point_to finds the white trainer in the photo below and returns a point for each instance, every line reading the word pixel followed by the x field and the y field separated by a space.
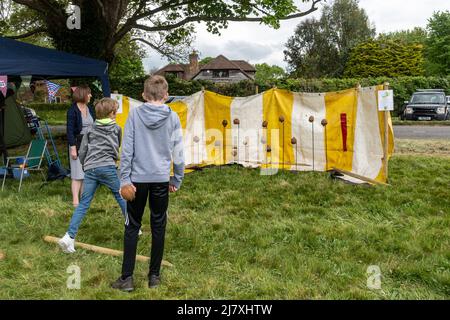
pixel 67 244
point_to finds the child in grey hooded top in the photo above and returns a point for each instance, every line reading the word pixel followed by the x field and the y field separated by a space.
pixel 152 142
pixel 153 138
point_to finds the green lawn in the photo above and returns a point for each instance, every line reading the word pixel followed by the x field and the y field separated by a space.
pixel 234 234
pixel 54 117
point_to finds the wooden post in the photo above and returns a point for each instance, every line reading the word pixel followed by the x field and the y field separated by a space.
pixel 2 255
pixel 111 252
pixel 386 138
pixel 256 89
pixel 360 177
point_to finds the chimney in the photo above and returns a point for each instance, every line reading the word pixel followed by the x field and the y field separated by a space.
pixel 193 64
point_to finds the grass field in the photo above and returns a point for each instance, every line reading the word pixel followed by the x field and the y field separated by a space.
pixel 233 234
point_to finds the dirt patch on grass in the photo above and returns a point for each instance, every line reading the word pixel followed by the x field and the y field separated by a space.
pixel 423 147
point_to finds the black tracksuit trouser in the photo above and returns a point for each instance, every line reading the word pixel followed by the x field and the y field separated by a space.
pixel 157 195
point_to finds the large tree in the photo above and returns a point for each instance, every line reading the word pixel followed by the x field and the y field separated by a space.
pixel 161 24
pixel 438 44
pixel 267 75
pixel 320 47
pixel 413 36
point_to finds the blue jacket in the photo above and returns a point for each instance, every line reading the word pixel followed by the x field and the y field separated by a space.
pixel 75 122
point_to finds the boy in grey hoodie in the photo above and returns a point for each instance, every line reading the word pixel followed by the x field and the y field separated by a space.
pixel 98 154
pixel 152 142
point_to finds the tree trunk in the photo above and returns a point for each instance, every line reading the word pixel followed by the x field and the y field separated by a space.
pixel 99 23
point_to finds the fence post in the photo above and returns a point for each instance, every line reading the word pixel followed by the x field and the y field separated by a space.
pixel 386 137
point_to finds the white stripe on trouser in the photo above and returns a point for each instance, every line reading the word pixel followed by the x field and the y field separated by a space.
pixel 127 220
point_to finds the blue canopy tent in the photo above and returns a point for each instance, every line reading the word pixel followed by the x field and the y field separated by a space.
pixel 23 59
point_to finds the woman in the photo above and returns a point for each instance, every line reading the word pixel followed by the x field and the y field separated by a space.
pixel 80 118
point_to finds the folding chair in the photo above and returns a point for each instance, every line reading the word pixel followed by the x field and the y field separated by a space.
pixel 32 161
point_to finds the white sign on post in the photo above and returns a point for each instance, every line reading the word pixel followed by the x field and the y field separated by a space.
pixel 119 99
pixel 386 100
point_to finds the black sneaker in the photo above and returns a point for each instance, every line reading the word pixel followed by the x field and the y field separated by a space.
pixel 154 281
pixel 123 284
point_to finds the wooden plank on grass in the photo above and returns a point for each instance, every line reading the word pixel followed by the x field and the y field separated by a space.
pixel 103 250
pixel 360 177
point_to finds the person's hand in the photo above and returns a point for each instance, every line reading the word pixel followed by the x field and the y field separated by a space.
pixel 172 188
pixel 73 153
pixel 129 196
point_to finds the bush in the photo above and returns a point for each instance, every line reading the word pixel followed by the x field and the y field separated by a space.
pixel 48 106
pixel 403 87
pixel 133 87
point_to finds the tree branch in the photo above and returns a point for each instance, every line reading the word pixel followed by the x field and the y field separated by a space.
pixel 167 27
pixel 155 47
pixel 42 6
pixel 131 22
pixel 28 34
pixel 36 5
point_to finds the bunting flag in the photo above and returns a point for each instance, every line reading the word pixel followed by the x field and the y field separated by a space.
pixel 280 129
pixel 52 90
pixel 4 85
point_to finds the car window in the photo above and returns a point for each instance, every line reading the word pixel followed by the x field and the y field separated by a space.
pixel 428 98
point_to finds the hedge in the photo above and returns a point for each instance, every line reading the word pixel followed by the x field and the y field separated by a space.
pixel 49 106
pixel 403 87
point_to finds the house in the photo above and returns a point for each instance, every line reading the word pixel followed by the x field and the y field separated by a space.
pixel 219 70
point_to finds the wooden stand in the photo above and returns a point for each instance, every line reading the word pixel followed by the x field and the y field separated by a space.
pixel 386 138
pixel 108 251
pixel 360 177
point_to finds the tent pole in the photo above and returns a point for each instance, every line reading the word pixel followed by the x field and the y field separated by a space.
pixel 3 150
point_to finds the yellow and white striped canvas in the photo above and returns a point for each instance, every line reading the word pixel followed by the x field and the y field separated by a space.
pixel 279 129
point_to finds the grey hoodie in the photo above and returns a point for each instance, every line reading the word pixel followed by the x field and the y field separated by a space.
pixel 100 145
pixel 152 139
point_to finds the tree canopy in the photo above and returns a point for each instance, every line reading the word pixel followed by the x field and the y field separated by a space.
pixel 320 48
pixel 413 36
pixel 385 58
pixel 167 26
pixel 438 44
pixel 267 75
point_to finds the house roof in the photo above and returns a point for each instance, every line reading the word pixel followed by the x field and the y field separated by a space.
pixel 244 65
pixel 222 63
pixel 172 68
pixel 218 63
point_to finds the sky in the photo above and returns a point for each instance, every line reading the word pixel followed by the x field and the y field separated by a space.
pixel 258 43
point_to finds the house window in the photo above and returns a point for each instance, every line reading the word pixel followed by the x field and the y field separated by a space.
pixel 221 74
